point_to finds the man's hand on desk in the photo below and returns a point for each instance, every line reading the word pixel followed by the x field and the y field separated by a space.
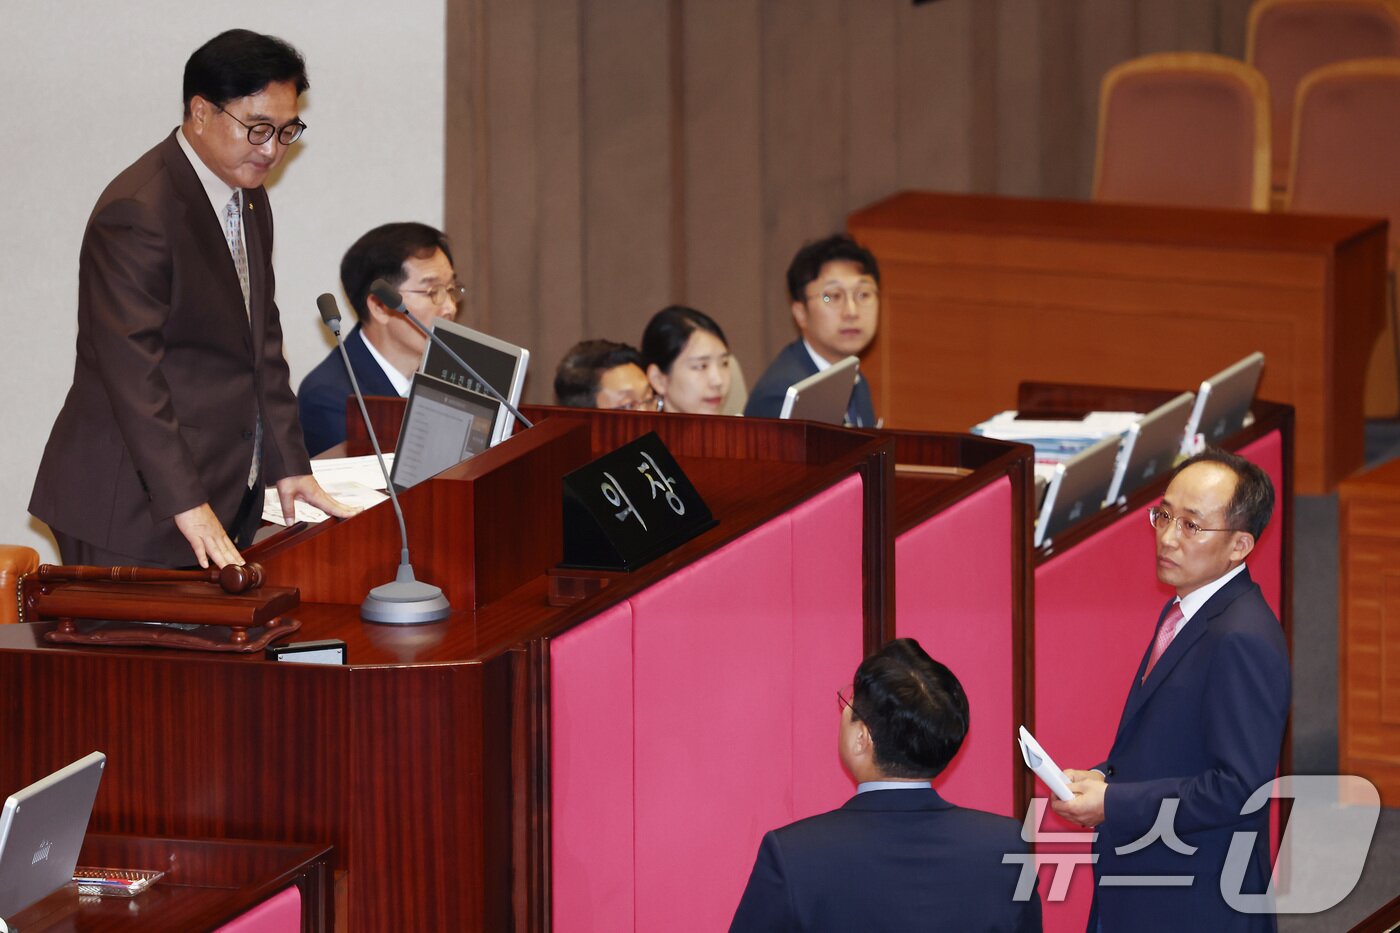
pixel 207 537
pixel 1086 807
pixel 305 488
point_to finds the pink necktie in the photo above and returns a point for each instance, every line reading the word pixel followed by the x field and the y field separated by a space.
pixel 1165 634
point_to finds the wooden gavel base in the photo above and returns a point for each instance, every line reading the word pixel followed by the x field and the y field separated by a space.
pixel 159 634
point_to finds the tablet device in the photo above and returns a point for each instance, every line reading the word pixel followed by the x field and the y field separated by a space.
pixel 1223 402
pixel 443 425
pixel 1151 446
pixel 500 363
pixel 823 396
pixel 1078 488
pixel 41 831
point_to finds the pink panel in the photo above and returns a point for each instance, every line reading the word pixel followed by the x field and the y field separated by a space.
pixel 591 776
pixel 1266 563
pixel 280 913
pixel 953 593
pixel 826 599
pixel 713 739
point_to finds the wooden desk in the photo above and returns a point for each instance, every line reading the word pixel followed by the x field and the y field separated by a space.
pixel 1369 714
pixel 980 293
pixel 207 883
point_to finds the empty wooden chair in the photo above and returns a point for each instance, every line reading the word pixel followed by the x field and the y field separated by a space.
pixel 1290 38
pixel 1189 129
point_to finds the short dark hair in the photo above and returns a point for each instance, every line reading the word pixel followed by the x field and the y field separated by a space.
pixel 240 62
pixel 577 376
pixel 808 263
pixel 381 253
pixel 1252 503
pixel 914 707
pixel 669 330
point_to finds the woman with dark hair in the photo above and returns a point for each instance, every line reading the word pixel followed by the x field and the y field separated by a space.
pixel 687 360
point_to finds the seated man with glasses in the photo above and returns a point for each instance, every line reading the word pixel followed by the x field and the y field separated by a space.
pixel 181 410
pixel 834 285
pixel 384 349
pixel 897 856
pixel 1202 726
pixel 603 374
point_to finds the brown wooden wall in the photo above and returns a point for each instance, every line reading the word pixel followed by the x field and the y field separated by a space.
pixel 608 157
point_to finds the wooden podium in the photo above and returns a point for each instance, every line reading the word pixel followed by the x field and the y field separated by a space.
pixel 980 293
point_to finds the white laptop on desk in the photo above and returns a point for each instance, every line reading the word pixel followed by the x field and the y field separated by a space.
pixel 499 362
pixel 823 396
pixel 1151 446
pixel 41 831
pixel 1077 488
pixel 1222 404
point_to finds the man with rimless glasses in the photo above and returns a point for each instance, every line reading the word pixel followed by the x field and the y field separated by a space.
pixel 384 349
pixel 1203 723
pixel 181 409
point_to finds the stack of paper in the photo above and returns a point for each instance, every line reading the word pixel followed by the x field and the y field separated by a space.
pixel 352 480
pixel 1057 439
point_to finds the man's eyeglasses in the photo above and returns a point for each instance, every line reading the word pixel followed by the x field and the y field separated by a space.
pixel 260 133
pixel 863 296
pixel 439 293
pixel 1160 519
pixel 647 402
pixel 843 700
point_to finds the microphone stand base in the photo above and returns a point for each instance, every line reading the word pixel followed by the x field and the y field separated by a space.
pixel 405 602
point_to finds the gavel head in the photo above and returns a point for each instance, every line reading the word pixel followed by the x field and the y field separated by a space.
pixel 240 578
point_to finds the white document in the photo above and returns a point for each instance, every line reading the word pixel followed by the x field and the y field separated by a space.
pixel 1043 766
pixel 363 470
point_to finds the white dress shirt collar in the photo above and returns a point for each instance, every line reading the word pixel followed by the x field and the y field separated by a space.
pixel 1194 600
pixel 401 382
pixel 217 190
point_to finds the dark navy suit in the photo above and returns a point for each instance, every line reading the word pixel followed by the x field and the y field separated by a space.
pixel 792 365
pixel 321 397
pixel 1205 728
pixel 897 860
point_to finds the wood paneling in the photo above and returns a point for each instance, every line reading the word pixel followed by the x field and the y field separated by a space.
pixel 609 157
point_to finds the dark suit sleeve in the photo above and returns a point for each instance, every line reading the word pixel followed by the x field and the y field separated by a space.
pixel 321 405
pixel 767 902
pixel 126 285
pixel 1247 690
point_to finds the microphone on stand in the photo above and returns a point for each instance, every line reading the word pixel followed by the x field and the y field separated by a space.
pixel 390 297
pixel 405 601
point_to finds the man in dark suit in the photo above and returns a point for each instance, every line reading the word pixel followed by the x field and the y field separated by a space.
pixel 384 349
pixel 835 289
pixel 180 409
pixel 1203 723
pixel 897 856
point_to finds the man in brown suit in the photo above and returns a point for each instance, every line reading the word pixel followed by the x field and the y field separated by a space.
pixel 181 410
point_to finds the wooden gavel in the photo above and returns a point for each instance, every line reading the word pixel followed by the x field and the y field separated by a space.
pixel 232 578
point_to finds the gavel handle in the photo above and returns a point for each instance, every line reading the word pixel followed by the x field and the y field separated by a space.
pixel 232 578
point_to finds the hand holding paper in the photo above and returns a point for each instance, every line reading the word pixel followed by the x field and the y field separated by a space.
pixel 1043 766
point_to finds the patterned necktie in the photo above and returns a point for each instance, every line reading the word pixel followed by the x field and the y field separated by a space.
pixel 233 232
pixel 1165 634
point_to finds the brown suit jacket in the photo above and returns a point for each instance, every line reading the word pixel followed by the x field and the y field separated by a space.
pixel 170 373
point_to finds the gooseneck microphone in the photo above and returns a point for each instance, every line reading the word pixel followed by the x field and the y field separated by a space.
pixel 390 297
pixel 405 601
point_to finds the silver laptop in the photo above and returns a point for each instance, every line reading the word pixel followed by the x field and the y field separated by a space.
pixel 1077 489
pixel 823 396
pixel 443 425
pixel 41 831
pixel 499 362
pixel 1151 446
pixel 1223 402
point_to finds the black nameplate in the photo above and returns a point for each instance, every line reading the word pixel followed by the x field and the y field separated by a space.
pixel 629 507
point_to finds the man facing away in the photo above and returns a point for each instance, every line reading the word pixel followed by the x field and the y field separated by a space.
pixel 834 285
pixel 384 349
pixel 181 409
pixel 897 856
pixel 1203 723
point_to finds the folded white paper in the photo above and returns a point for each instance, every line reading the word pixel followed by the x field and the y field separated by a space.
pixel 1043 766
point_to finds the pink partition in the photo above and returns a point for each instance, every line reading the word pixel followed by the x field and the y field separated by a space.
pixel 280 913
pixel 1096 607
pixel 953 592
pixel 730 669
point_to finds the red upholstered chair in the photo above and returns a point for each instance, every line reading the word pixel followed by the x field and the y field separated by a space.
pixel 1290 38
pixel 15 561
pixel 1184 128
pixel 1346 160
